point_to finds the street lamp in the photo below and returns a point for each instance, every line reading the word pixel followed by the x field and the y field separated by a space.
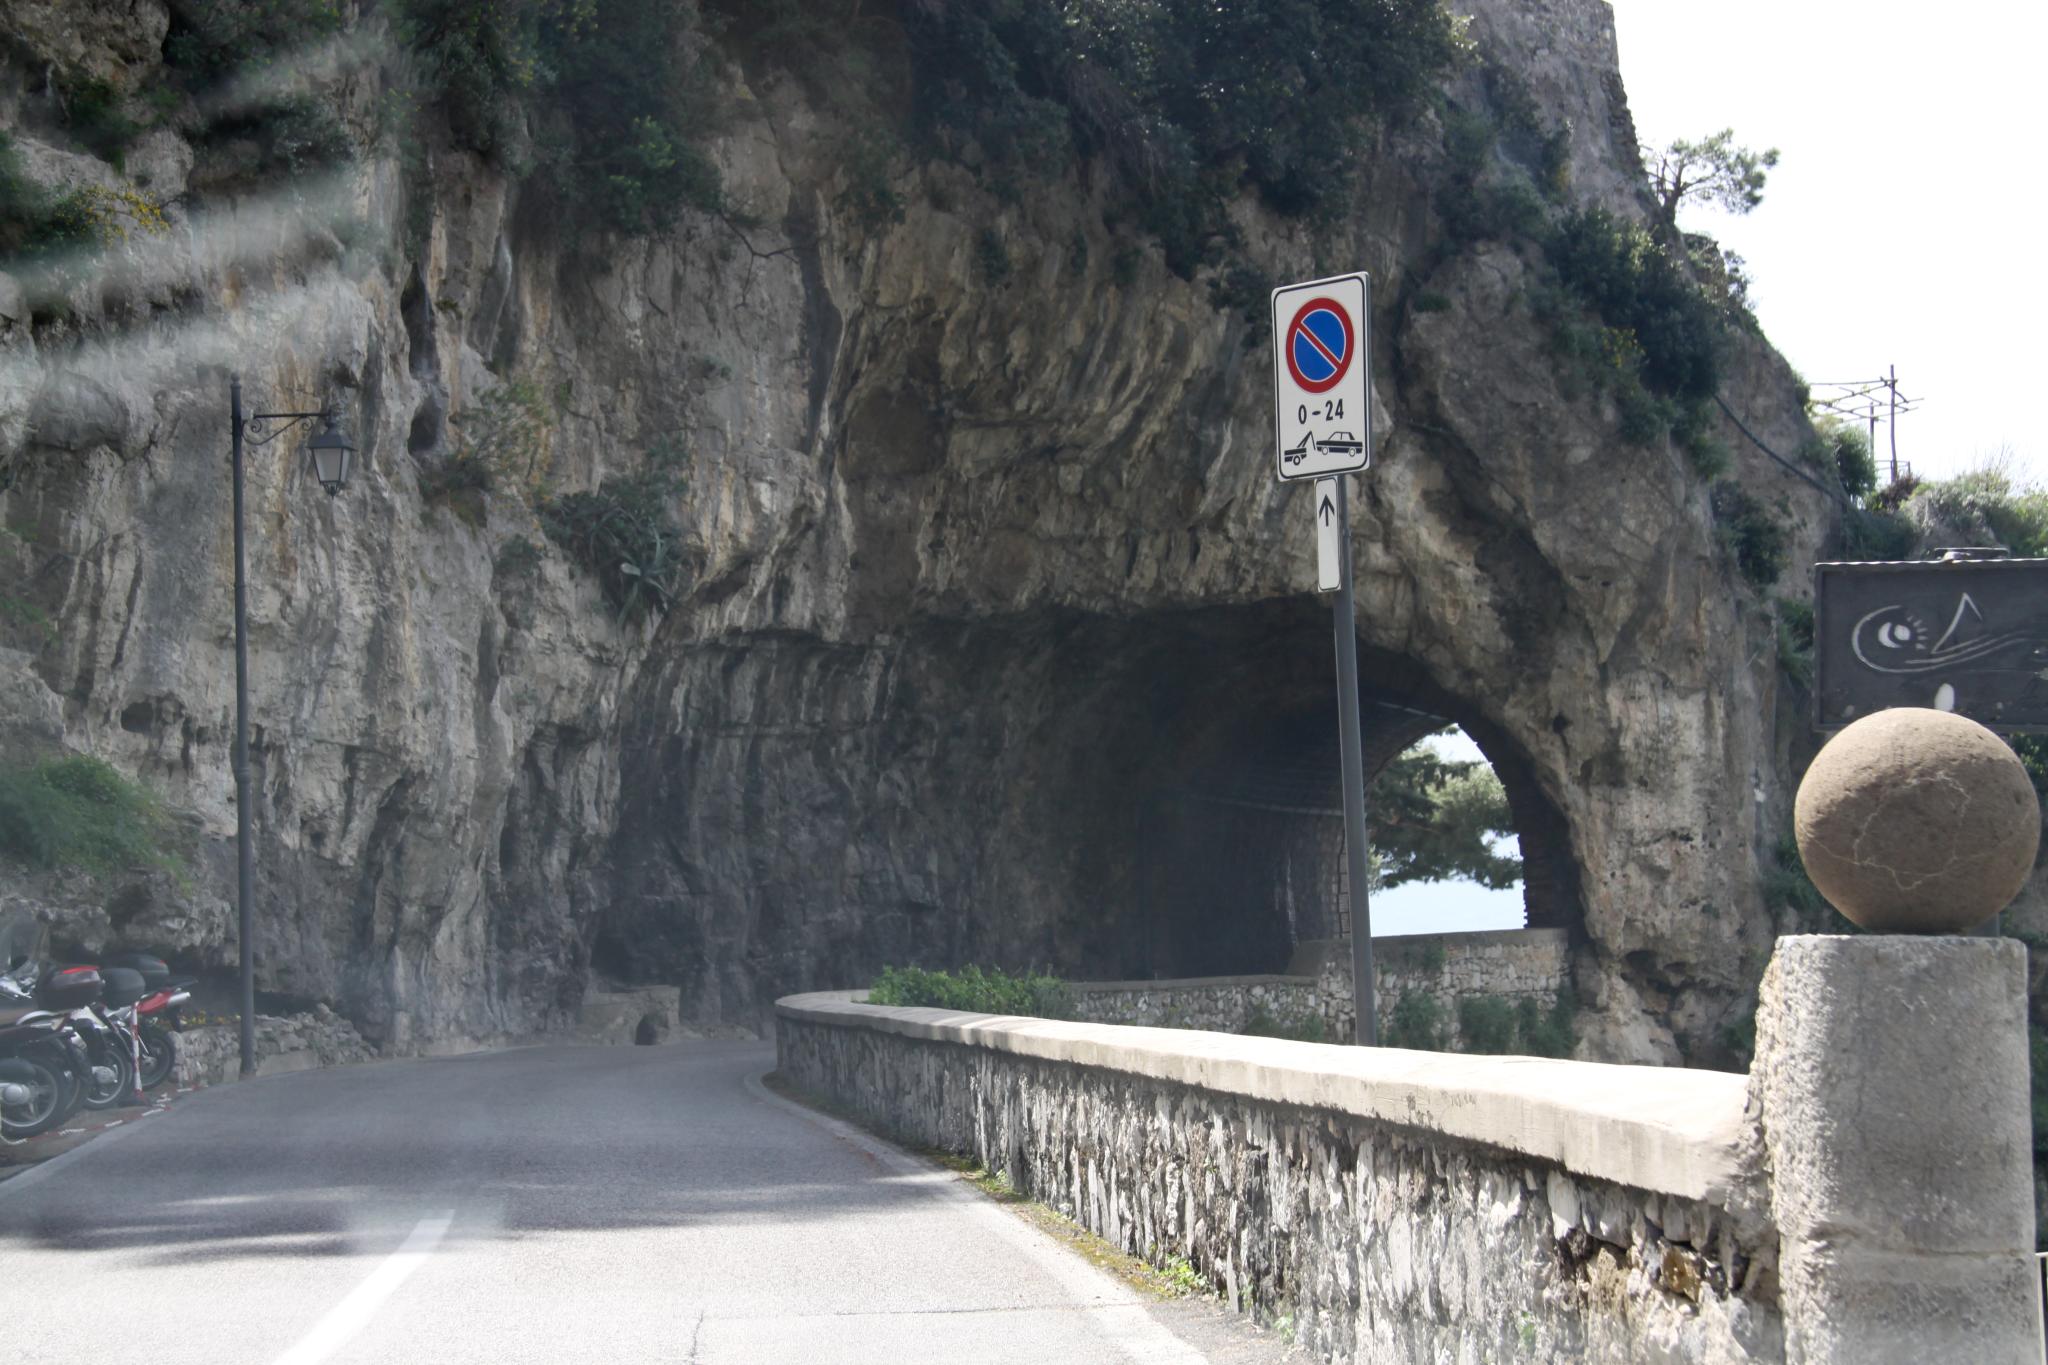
pixel 332 457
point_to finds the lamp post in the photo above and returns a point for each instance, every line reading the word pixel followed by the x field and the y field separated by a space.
pixel 332 455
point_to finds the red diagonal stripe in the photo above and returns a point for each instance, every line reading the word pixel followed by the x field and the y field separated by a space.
pixel 1316 342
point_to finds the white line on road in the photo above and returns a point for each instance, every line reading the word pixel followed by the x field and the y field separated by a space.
pixel 353 1313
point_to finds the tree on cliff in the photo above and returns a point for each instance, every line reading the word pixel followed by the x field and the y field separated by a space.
pixel 1714 171
pixel 1435 819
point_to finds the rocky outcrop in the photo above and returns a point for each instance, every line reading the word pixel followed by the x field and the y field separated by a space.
pixel 975 566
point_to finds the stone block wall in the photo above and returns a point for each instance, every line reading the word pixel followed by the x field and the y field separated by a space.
pixel 1510 965
pixel 1222 1004
pixel 212 1053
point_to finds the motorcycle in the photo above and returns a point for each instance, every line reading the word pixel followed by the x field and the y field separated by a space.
pixel 48 1072
pixel 78 996
pixel 154 1019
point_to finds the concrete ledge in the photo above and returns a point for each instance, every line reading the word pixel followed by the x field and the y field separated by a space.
pixel 1478 938
pixel 1666 1130
pixel 1189 983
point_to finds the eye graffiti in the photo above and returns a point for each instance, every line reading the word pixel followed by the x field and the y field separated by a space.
pixel 1899 641
pixel 1894 639
pixel 1963 634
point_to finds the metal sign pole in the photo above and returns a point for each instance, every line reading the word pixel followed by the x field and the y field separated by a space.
pixel 1322 430
pixel 1345 630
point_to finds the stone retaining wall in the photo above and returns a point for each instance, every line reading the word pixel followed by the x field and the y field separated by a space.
pixel 211 1054
pixel 1224 1004
pixel 1510 965
pixel 1399 1206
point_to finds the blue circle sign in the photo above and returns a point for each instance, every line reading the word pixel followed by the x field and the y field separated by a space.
pixel 1320 345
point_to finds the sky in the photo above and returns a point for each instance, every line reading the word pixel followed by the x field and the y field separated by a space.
pixel 1904 222
pixel 1446 907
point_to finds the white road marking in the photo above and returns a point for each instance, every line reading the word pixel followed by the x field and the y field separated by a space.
pixel 353 1313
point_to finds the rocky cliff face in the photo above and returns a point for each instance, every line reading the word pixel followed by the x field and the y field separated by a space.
pixel 977 561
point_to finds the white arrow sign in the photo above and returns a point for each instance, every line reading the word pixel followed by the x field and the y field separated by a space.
pixel 1329 570
pixel 1320 371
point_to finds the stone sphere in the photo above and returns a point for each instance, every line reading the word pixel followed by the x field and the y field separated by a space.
pixel 1913 821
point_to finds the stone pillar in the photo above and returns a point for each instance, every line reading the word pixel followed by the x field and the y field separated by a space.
pixel 1891 1081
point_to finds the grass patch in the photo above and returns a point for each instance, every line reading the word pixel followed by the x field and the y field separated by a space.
pixel 78 812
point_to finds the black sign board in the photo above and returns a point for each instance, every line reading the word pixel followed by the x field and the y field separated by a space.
pixel 1966 635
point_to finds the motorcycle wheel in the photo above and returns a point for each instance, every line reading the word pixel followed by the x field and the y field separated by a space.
pixel 73 1072
pixel 110 1056
pixel 159 1056
pixel 42 1111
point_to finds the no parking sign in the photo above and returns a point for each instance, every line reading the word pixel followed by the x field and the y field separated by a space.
pixel 1321 425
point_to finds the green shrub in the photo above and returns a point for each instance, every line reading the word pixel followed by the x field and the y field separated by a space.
pixel 77 811
pixel 1188 102
pixel 503 436
pixel 1842 449
pixel 1304 1028
pixel 973 989
pixel 95 116
pixel 1795 639
pixel 2037 1040
pixel 463 484
pixel 606 99
pixel 288 136
pixel 1549 1032
pixel 2033 755
pixel 870 200
pixel 991 257
pixel 1786 887
pixel 1416 1021
pixel 1739 1038
pixel 1984 507
pixel 1486 1023
pixel 625 533
pixel 1747 531
pixel 518 557
pixel 1876 534
pixel 1625 278
pixel 209 40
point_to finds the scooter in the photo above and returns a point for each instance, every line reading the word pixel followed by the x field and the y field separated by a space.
pixel 76 995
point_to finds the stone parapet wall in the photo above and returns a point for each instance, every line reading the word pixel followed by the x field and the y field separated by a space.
pixel 1223 1004
pixel 1510 965
pixel 212 1053
pixel 1395 1207
pixel 1862 1196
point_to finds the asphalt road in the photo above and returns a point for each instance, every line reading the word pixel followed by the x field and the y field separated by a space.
pixel 547 1204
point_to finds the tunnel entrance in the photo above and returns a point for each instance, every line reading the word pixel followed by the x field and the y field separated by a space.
pixel 1107 797
pixel 1226 752
pixel 1245 860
